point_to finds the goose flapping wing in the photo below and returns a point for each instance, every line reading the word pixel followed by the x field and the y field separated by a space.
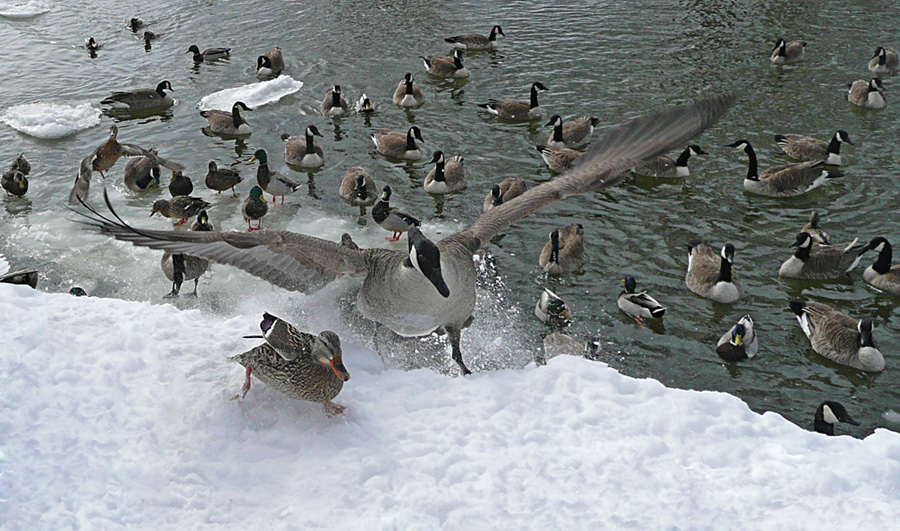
pixel 131 150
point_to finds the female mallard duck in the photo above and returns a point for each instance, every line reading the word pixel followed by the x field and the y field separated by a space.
pixel 270 64
pixel 787 53
pixel 805 148
pixel 882 274
pixel 828 414
pixel 839 337
pixel 180 267
pixel 142 99
pixel 20 163
pixel 334 103
pixel 564 253
pixel 475 41
pixel 639 304
pixel 295 363
pixel 364 105
pixel 221 179
pixel 867 94
pixel 358 188
pixel 209 54
pixel 142 172
pixel 885 61
pixel 180 184
pixel 408 93
pixel 390 218
pixel 572 133
pixel 786 180
pixel 270 181
pixel 821 262
pixel 182 207
pixel 254 208
pixel 228 123
pixel 666 168
pixel 506 190
pixel 447 175
pixel 398 145
pixel 709 274
pixel 558 159
pixel 738 343
pixel 515 110
pixel 812 228
pixel 14 182
pixel 446 66
pixel 552 310
pixel 303 152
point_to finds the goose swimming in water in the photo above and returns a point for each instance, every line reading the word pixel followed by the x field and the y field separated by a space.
pixel 830 413
pixel 839 337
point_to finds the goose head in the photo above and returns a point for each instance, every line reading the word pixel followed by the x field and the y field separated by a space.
pixel 555 121
pixel 414 131
pixel 830 413
pixel 312 130
pixel 842 136
pixel 425 256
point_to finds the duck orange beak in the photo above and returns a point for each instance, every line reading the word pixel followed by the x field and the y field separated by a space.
pixel 338 367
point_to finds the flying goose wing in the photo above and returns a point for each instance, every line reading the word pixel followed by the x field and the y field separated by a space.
pixel 289 260
pixel 131 150
pixel 622 147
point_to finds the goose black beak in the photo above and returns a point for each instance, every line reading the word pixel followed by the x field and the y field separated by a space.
pixel 434 276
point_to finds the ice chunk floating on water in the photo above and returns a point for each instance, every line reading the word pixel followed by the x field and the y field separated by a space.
pixel 50 120
pixel 254 95
pixel 31 9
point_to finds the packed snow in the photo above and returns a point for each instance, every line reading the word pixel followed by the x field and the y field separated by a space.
pixel 119 413
pixel 51 120
pixel 29 10
pixel 253 95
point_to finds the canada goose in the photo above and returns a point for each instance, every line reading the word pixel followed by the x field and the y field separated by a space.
pixel 270 181
pixel 390 218
pixel 639 304
pixel 180 184
pixel 92 46
pixel 786 53
pixel 474 41
pixel 135 24
pixel 180 267
pixel 303 152
pixel 739 342
pixel 209 54
pixel 300 365
pixel 358 188
pixel 805 148
pixel 270 64
pixel 228 123
pixel 515 110
pixel 181 207
pixel 552 310
pixel 821 262
pixel 142 99
pixel 709 275
pixel 364 105
pixel 812 228
pixel 564 253
pixel 882 274
pixel 149 36
pixel 828 414
pixel 572 133
pixel 786 180
pixel 334 103
pixel 867 94
pixel 141 173
pixel 398 145
pixel 503 192
pixel 558 159
pixel 22 277
pixel 446 66
pixel 666 168
pixel 447 175
pixel 428 286
pixel 839 337
pixel 254 208
pixel 14 182
pixel 20 163
pixel 408 93
pixel 221 179
pixel 885 61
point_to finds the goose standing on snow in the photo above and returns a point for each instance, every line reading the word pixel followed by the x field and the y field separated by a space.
pixel 564 253
pixel 408 93
pixel 447 175
pixel 558 159
pixel 739 342
pixel 303 152
pixel 451 67
pixel 572 133
pixel 828 414
pixel 398 145
pixel 787 53
pixel 666 168
pixel 882 274
pixel 334 103
pixel 515 110
pixel 358 188
pixel 391 219
pixel 885 61
pixel 786 180
pixel 503 192
pixel 142 99
pixel 812 228
pixel 270 64
pixel 867 94
pixel 228 123
pixel 638 304
pixel 475 41
pixel 180 267
pixel 221 179
pixel 709 274
pixel 839 337
pixel 209 54
pixel 270 181
pixel 821 262
pixel 805 148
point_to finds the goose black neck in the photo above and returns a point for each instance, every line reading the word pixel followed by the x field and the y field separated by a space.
pixel 557 129
pixel 493 35
pixel 409 86
pixel 410 141
pixel 457 62
pixel 835 145
pixel 883 263
pixel 361 190
pixel 335 99
pixel 865 340
pixel 310 144
pixel 534 93
pixel 725 271
pixel 683 158
pixel 236 117
pixel 439 171
pixel 752 170
pixel 554 248
pixel 820 425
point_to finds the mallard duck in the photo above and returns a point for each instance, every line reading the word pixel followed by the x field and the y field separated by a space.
pixel 334 103
pixel 296 363
pixel 787 53
pixel 882 274
pixel 867 94
pixel 666 168
pixel 805 148
pixel 447 175
pixel 786 180
pixel 254 208
pixel 221 179
pixel 364 105
pixel 270 181
pixel 142 99
pixel 180 267
pixel 408 93
pixel 180 184
pixel 552 310
pixel 358 188
pixel 14 182
pixel 839 337
pixel 92 46
pixel 475 41
pixel 446 66
pixel 270 64
pixel 77 291
pixel 812 228
pixel 821 262
pixel 181 207
pixel 739 342
pixel 506 190
pixel 558 159
pixel 564 253
pixel 709 273
pixel 572 133
pixel 228 123
pixel 515 110
pixel 302 151
pixel 20 163
pixel 885 61
pixel 142 172
pixel 209 54
pixel 638 304
pixel 391 219
pixel 398 145
pixel 828 414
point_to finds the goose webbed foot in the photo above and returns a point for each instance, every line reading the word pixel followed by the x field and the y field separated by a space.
pixel 176 287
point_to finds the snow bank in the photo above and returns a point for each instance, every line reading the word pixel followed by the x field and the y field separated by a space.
pixel 254 95
pixel 50 120
pixel 119 414
pixel 21 11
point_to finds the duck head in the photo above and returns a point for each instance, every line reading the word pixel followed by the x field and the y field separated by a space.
pixel 261 156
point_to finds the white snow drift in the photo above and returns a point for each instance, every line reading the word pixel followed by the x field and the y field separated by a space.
pixel 50 120
pixel 253 95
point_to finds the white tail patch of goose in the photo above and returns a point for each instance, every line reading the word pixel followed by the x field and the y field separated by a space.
pixel 829 415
